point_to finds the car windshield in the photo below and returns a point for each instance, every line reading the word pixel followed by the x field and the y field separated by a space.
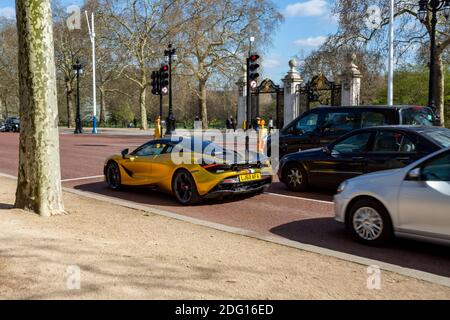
pixel 422 116
pixel 441 137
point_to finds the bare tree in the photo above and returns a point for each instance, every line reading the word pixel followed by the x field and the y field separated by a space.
pixel 411 34
pixel 39 177
pixel 140 27
pixel 216 40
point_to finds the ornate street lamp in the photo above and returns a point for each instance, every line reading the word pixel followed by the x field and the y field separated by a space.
pixel 77 67
pixel 433 6
pixel 170 56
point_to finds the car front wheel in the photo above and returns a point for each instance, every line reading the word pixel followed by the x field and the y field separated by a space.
pixel 370 223
pixel 184 188
pixel 112 174
pixel 295 177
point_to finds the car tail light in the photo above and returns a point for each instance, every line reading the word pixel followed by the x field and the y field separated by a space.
pixel 216 168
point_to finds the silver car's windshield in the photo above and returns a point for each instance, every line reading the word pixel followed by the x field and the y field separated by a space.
pixel 442 137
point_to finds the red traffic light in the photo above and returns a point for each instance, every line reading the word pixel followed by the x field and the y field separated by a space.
pixel 165 67
pixel 254 57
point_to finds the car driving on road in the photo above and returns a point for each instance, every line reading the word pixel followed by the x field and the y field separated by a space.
pixel 208 170
pixel 413 202
pixel 12 124
pixel 322 125
pixel 359 152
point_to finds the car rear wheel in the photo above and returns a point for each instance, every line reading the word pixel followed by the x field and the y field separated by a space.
pixel 184 188
pixel 370 223
pixel 295 177
pixel 113 178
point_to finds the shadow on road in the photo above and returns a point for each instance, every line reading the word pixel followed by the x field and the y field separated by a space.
pixel 329 234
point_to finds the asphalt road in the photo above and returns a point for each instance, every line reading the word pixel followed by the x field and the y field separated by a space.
pixel 304 217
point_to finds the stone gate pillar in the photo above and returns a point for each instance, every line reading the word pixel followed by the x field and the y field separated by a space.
pixel 351 83
pixel 242 101
pixel 290 83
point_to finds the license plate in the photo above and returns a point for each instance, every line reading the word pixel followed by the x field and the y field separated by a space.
pixel 249 177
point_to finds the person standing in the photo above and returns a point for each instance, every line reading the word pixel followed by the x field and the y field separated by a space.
pixel 270 124
pixel 233 124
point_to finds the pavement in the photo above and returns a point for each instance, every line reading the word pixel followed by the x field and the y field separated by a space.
pixel 104 250
pixel 303 218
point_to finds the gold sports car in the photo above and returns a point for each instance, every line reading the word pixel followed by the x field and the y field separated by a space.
pixel 209 173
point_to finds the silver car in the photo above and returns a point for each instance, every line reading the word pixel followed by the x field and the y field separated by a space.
pixel 412 202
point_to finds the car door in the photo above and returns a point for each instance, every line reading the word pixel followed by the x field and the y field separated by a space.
pixel 302 134
pixel 423 203
pixel 391 149
pixel 139 163
pixel 347 159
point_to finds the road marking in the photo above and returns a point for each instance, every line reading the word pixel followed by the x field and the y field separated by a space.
pixel 298 198
pixel 82 178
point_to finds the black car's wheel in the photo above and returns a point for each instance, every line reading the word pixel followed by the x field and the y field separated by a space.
pixel 184 188
pixel 112 174
pixel 295 177
pixel 369 222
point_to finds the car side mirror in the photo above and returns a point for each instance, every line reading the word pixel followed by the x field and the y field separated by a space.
pixel 326 150
pixel 415 174
pixel 124 153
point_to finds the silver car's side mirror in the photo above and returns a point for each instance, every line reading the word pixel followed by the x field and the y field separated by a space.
pixel 414 174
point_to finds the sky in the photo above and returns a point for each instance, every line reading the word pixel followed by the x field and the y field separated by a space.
pixel 306 25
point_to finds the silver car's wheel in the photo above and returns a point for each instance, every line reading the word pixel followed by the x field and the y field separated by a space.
pixel 368 223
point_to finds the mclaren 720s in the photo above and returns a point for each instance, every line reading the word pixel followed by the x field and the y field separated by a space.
pixel 210 171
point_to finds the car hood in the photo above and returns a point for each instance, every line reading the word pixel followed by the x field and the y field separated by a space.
pixel 379 175
pixel 305 154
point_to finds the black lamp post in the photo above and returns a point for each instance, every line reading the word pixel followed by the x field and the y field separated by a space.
pixel 169 56
pixel 78 70
pixel 433 6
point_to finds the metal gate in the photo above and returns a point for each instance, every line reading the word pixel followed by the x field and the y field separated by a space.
pixel 318 91
pixel 268 101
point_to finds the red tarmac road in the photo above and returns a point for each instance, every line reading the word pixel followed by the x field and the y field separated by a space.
pixel 304 217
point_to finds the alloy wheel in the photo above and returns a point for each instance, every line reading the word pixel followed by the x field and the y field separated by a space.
pixel 183 187
pixel 295 177
pixel 367 223
pixel 113 176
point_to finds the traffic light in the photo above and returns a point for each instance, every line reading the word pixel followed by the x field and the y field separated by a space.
pixel 164 73
pixel 156 82
pixel 253 67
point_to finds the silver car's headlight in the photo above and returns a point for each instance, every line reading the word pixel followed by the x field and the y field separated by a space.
pixel 341 187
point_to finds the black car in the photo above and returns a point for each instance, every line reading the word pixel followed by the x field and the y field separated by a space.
pixel 359 152
pixel 320 126
pixel 12 124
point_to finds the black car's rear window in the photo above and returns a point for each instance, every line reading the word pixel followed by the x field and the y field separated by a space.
pixel 422 116
pixel 441 137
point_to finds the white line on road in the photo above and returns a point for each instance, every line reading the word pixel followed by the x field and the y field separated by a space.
pixel 297 198
pixel 82 178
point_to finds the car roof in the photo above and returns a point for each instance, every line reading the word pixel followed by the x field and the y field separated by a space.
pixel 372 106
pixel 411 128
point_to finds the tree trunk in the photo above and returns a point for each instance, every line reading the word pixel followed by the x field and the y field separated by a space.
pixel 69 99
pixel 143 109
pixel 440 88
pixel 102 106
pixel 39 177
pixel 202 110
